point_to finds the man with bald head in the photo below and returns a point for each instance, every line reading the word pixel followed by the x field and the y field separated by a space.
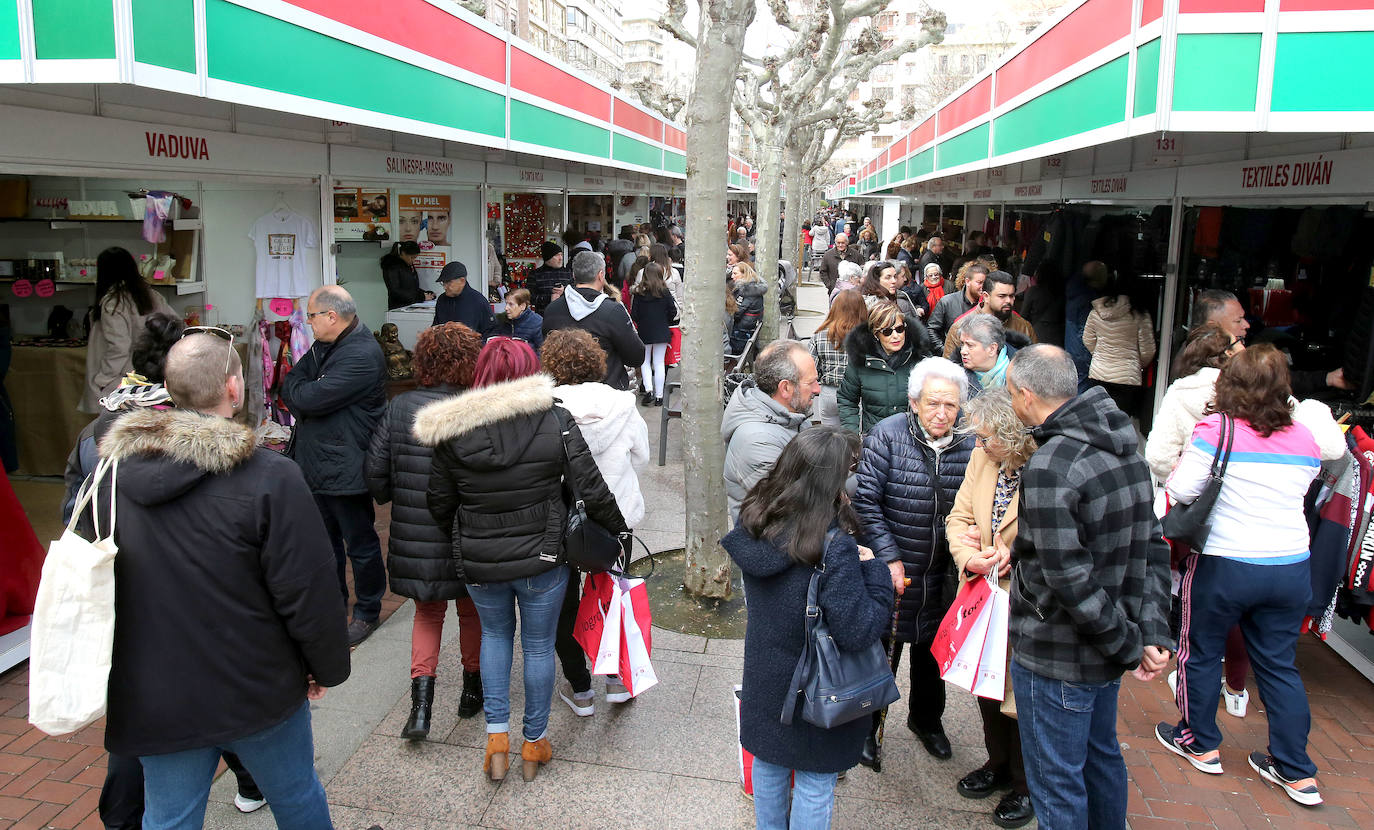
pixel 337 393
pixel 226 612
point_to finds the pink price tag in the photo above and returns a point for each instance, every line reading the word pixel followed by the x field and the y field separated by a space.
pixel 22 288
pixel 281 307
pixel 45 288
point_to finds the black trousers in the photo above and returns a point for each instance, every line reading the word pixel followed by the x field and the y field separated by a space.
pixel 926 703
pixel 121 799
pixel 349 520
pixel 1002 736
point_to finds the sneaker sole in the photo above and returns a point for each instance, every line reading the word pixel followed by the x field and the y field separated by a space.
pixel 1200 766
pixel 618 697
pixel 245 806
pixel 1305 799
pixel 580 711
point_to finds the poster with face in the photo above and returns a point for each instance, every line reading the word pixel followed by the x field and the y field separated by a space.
pixel 425 219
pixel 362 213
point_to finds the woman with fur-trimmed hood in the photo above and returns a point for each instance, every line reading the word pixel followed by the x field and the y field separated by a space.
pixel 496 486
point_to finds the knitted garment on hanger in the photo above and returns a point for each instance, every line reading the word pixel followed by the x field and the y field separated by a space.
pixel 157 207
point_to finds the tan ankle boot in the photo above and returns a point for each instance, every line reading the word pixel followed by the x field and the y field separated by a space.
pixel 535 753
pixel 498 756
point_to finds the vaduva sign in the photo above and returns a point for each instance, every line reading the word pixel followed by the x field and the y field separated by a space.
pixel 173 146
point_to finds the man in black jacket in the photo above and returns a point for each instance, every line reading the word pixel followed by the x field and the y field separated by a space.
pixel 1089 589
pixel 587 307
pixel 547 282
pixel 461 303
pixel 337 393
pixel 227 614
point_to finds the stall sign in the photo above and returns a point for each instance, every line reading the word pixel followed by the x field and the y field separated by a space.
pixel 22 288
pixel 362 164
pixel 340 132
pixel 602 182
pixel 518 179
pixel 176 146
pixel 635 186
pixel 45 288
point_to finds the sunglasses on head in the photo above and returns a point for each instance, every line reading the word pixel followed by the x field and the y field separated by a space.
pixel 900 328
pixel 223 334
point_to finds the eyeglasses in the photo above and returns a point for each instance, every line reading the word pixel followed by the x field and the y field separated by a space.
pixel 890 330
pixel 311 315
pixel 223 334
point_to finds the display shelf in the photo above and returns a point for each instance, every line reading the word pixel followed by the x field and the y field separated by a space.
pixel 189 287
pixel 68 222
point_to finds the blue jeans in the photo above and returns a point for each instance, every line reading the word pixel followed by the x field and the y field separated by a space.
pixel 350 522
pixel 281 759
pixel 539 598
pixel 1074 768
pixel 1269 603
pixel 813 798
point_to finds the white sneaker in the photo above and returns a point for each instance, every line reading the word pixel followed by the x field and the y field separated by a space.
pixel 248 805
pixel 616 691
pixel 1235 703
pixel 1173 683
pixel 583 704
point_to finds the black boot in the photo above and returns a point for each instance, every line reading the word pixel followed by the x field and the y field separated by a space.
pixel 872 756
pixel 421 703
pixel 471 701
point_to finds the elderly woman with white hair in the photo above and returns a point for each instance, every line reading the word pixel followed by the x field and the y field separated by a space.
pixel 910 471
pixel 851 276
pixel 984 352
pixel 982 528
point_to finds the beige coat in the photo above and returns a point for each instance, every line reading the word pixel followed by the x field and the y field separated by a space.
pixel 1121 339
pixel 110 348
pixel 973 506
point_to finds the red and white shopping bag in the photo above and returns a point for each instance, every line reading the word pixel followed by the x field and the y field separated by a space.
pixel 992 663
pixel 597 628
pixel 958 642
pixel 746 758
pixel 636 622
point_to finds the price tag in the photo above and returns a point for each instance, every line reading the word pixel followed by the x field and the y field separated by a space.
pixel 281 307
pixel 45 288
pixel 22 288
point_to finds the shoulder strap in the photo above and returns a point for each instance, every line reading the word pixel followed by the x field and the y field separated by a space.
pixel 1225 440
pixel 813 616
pixel 565 427
pixel 87 492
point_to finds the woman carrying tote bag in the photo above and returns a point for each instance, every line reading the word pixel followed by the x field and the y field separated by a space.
pixel 779 543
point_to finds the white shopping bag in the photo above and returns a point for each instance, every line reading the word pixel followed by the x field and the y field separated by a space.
pixel 641 676
pixel 72 637
pixel 608 655
pixel 992 664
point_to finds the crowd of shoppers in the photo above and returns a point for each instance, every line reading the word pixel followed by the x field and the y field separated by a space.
pixel 926 471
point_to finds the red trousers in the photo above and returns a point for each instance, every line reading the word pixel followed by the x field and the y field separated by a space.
pixel 428 632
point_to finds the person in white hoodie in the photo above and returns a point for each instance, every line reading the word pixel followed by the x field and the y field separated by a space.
pixel 1186 402
pixel 618 440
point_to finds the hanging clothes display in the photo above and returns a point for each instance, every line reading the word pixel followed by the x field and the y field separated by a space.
pixel 156 212
pixel 280 240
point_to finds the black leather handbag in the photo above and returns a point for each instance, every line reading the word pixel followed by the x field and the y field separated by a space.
pixel 1191 523
pixel 836 686
pixel 587 545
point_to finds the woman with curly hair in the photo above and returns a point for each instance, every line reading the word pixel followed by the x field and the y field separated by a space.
pixel 1252 570
pixel 619 442
pixel 419 556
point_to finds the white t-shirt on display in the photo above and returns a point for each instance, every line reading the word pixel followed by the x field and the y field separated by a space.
pixel 280 239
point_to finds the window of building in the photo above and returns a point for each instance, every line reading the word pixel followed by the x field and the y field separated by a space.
pixel 498 15
pixel 982 62
pixel 944 63
pixel 881 73
pixel 913 19
pixel 883 92
pixel 881 141
pixel 556 17
pixel 909 96
pixel 965 64
pixel 537 9
pixel 887 21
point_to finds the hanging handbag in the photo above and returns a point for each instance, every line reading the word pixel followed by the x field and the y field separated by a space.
pixel 587 545
pixel 72 638
pixel 1190 523
pixel 836 686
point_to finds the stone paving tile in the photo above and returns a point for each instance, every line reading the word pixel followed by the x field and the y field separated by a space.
pixel 428 780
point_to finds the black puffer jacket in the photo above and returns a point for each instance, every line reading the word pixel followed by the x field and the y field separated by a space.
pixel 337 392
pixel 419 557
pixel 906 488
pixel 402 282
pixel 496 484
pixel 221 551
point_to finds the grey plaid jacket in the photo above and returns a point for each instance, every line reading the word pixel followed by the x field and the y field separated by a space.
pixel 830 361
pixel 1090 583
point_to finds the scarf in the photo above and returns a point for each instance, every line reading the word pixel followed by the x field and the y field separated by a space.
pixel 935 290
pixel 997 375
pixel 135 390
